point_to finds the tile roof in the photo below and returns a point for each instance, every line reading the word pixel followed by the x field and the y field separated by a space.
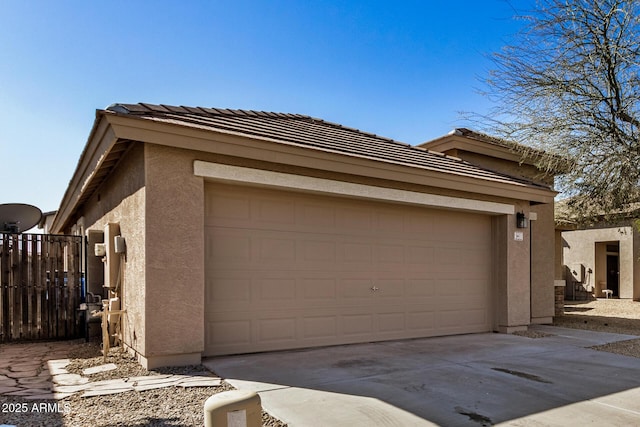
pixel 552 162
pixel 314 133
pixel 489 139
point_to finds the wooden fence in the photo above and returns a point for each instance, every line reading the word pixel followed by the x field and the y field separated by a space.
pixel 40 287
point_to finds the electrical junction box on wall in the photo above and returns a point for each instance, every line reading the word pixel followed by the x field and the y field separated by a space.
pixel 119 245
pixel 99 249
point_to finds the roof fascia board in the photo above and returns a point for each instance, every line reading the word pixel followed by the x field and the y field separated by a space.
pixel 260 177
pixel 100 142
pixel 232 144
pixel 462 143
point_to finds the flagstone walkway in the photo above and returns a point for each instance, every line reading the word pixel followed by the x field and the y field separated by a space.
pixel 37 371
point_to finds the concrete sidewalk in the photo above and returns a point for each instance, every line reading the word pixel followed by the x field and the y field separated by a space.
pixel 482 379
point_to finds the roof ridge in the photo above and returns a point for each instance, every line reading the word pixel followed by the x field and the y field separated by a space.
pixel 209 111
pixel 495 140
pixel 142 108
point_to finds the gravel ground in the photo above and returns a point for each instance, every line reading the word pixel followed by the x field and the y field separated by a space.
pixel 170 406
pixel 532 334
pixel 605 315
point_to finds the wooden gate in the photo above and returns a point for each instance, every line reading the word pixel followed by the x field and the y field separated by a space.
pixel 40 287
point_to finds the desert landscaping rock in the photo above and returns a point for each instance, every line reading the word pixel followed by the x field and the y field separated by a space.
pixel 8 382
pixel 151 379
pixel 605 315
pixel 101 368
pixel 106 391
pixel 204 382
pixel 70 379
pixel 23 367
pixel 22 374
pixel 57 367
pixel 32 381
pixel 70 388
pixel 146 387
pixel 147 378
pixel 124 396
pixel 531 334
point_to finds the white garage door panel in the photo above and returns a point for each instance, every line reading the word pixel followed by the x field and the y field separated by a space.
pixel 289 270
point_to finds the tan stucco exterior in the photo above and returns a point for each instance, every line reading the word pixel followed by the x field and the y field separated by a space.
pixel 153 193
pixel 511 274
pixel 543 257
pixel 175 255
pixel 122 201
pixel 586 251
pixel 162 274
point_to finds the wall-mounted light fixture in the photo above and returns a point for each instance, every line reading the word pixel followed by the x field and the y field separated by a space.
pixel 521 220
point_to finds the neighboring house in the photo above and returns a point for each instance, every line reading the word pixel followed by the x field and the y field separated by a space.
pixel 602 260
pixel 251 231
pixel 45 221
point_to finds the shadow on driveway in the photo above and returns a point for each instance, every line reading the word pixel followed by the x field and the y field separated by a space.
pixel 481 379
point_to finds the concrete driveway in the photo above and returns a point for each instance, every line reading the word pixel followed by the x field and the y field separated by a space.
pixel 481 379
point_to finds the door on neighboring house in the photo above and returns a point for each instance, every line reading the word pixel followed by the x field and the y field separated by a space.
pixel 613 274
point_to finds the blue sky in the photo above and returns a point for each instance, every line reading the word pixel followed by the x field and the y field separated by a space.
pixel 401 69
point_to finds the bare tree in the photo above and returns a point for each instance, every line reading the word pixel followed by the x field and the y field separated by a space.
pixel 569 85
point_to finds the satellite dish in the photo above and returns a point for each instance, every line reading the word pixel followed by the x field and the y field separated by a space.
pixel 18 217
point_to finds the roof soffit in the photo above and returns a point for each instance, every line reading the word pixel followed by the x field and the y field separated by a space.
pixel 100 142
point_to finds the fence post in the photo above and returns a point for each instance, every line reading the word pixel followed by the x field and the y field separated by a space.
pixel 5 259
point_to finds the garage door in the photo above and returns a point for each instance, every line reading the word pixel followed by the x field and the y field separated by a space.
pixel 290 270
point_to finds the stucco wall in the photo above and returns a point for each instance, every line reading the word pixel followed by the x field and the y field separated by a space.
pixel 175 257
pixel 512 272
pixel 158 204
pixel 121 200
pixel 542 264
pixel 588 247
pixel 124 181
